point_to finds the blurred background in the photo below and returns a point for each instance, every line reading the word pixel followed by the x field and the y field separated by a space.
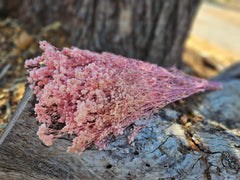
pixel 210 46
pixel 214 40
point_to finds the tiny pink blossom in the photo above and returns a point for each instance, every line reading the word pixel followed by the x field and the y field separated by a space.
pixel 95 96
pixel 42 133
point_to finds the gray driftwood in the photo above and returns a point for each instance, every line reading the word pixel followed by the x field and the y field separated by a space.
pixel 165 149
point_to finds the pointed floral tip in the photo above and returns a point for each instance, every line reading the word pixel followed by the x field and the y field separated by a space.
pixel 96 96
pixel 214 86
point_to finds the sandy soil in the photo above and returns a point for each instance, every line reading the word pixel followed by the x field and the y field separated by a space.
pixel 218 25
pixel 214 40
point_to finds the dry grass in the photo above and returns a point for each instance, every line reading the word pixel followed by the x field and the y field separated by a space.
pixel 17 45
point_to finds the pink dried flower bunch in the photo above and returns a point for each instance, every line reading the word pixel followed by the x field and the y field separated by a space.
pixel 95 96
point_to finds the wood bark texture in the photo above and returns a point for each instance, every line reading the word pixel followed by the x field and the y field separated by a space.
pixel 171 147
pixel 150 30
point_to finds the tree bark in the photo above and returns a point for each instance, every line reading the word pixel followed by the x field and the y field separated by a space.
pixel 165 149
pixel 150 30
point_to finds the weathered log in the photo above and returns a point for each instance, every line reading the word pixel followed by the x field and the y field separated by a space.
pixel 150 30
pixel 165 149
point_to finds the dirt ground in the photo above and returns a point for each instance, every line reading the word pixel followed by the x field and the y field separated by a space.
pixel 17 45
pixel 214 41
pixel 218 25
pixel 213 45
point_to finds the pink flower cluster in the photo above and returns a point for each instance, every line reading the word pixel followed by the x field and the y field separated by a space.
pixel 96 96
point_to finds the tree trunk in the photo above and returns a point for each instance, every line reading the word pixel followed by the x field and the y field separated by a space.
pixel 150 30
pixel 165 149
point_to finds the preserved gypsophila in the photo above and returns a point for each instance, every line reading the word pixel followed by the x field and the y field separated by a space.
pixel 95 96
